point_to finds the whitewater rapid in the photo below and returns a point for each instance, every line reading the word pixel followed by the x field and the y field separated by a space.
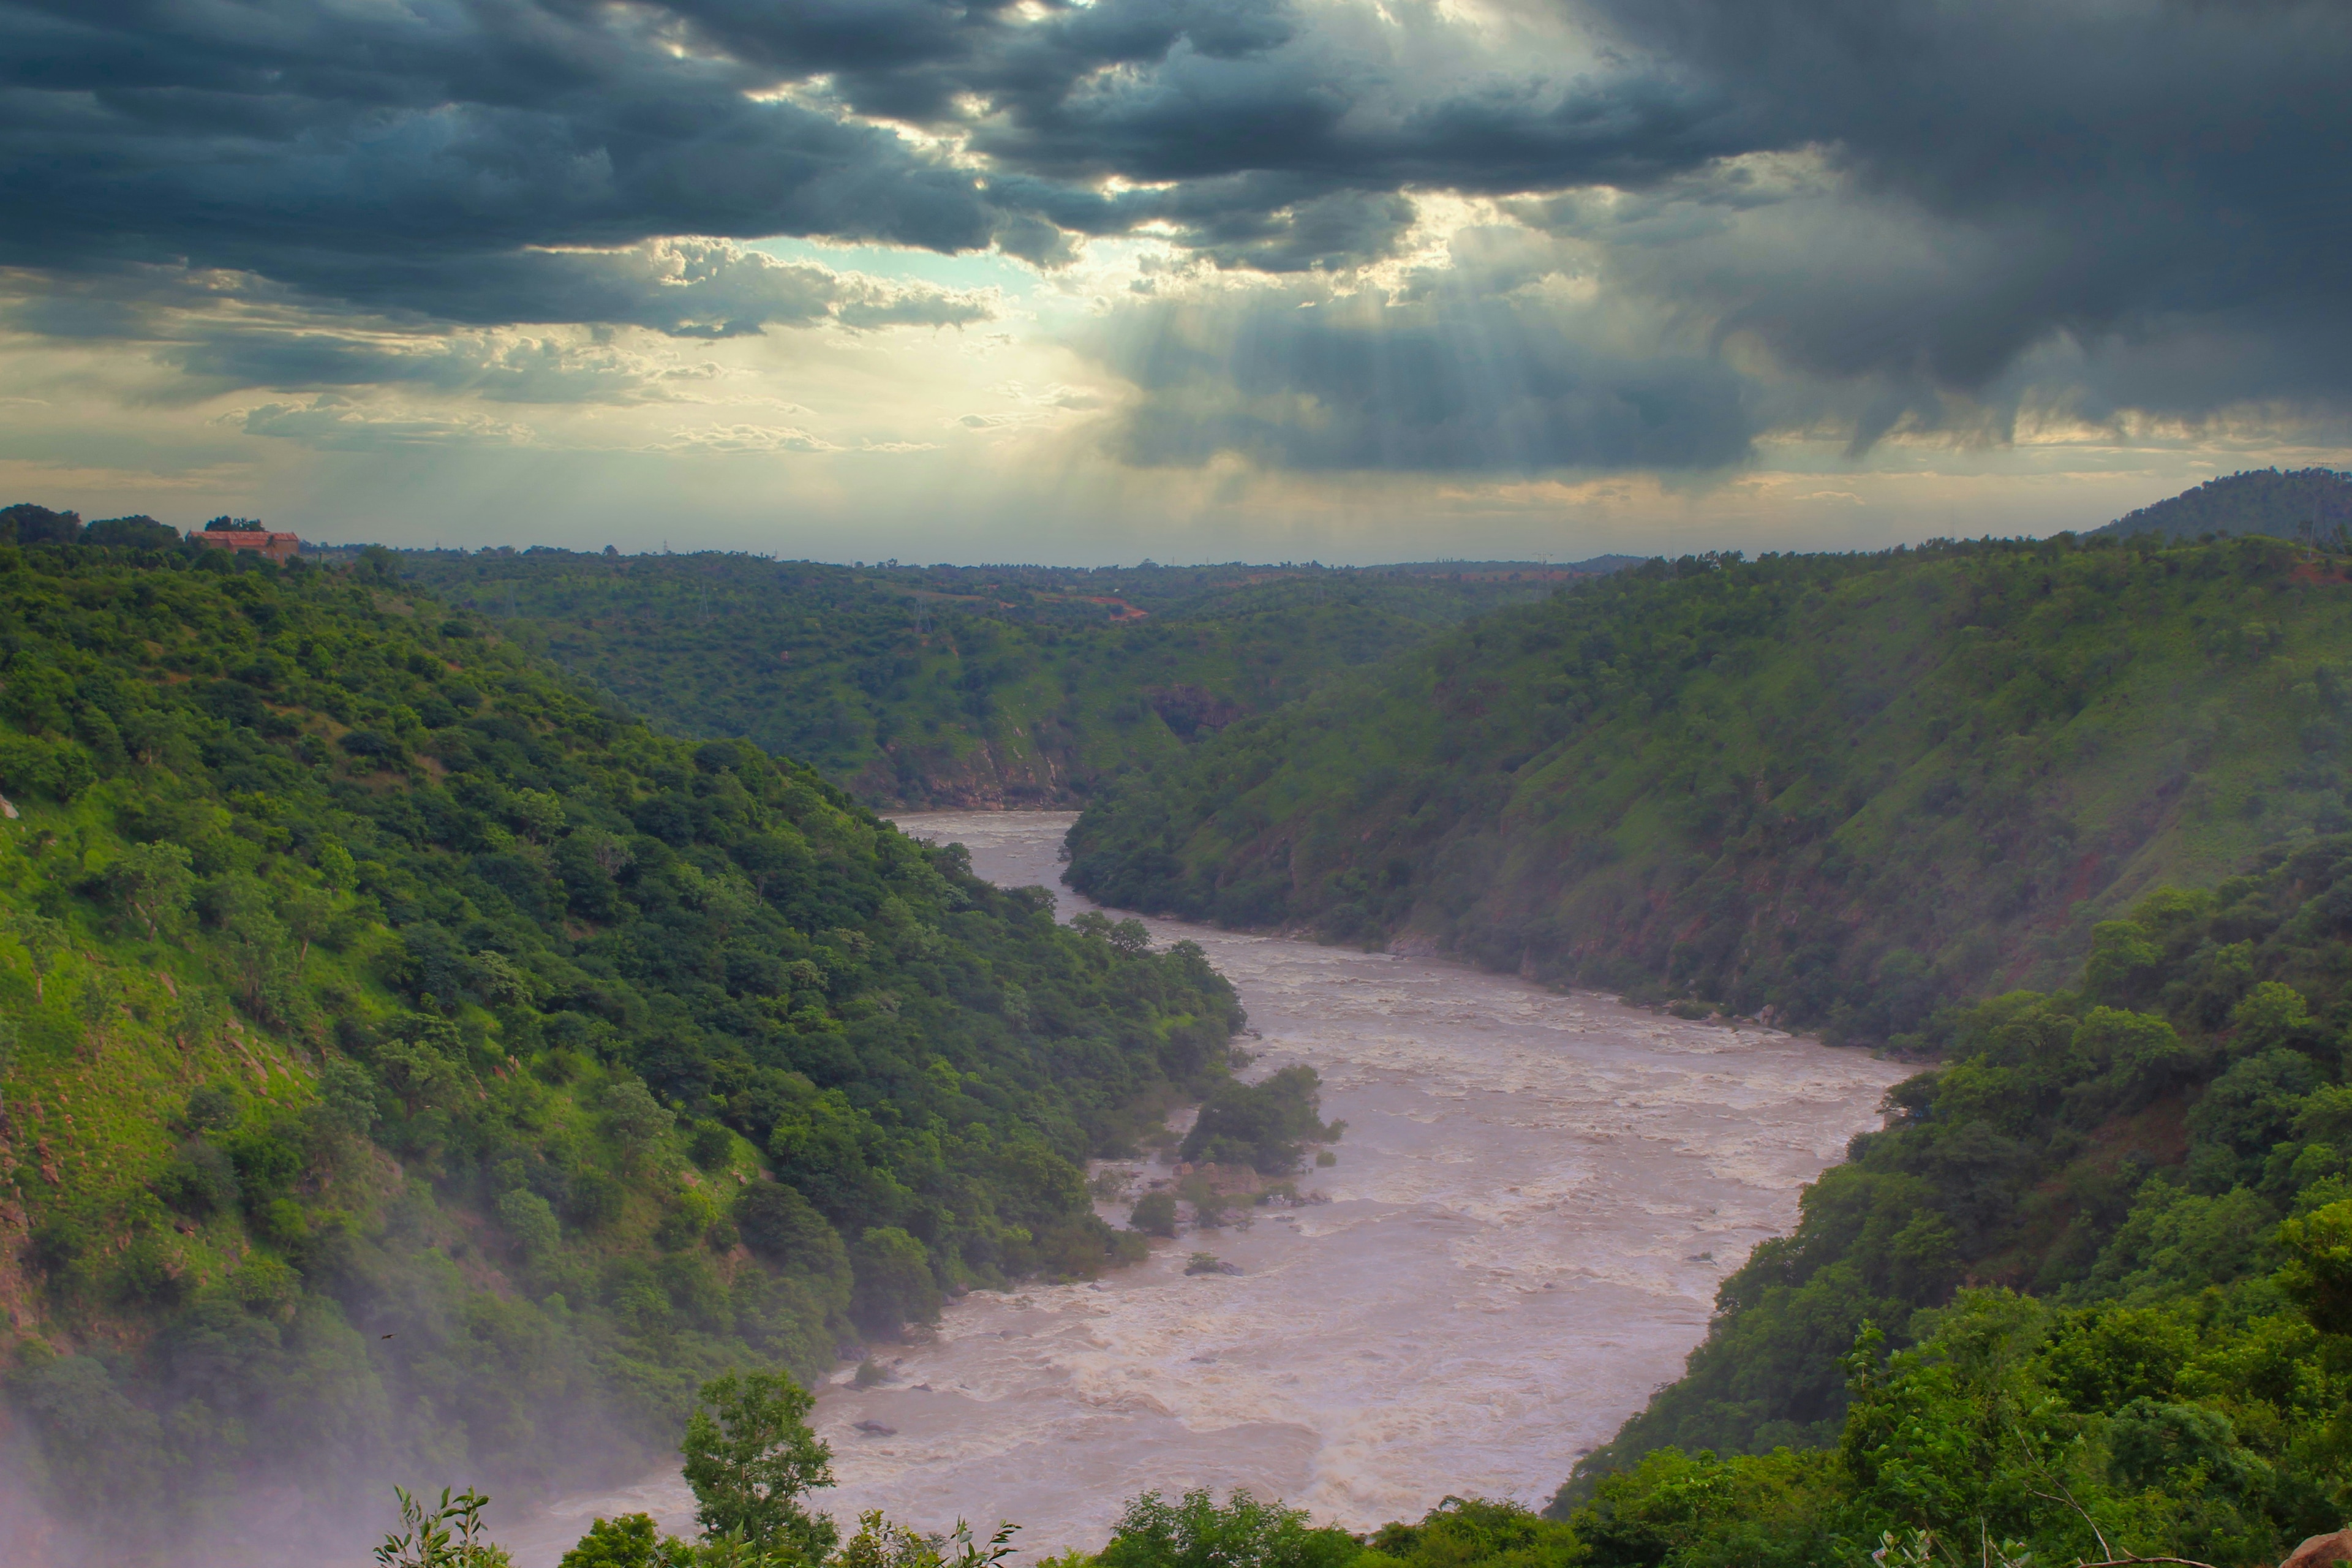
pixel 1535 1200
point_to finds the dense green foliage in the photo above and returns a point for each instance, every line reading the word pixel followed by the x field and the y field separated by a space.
pixel 2303 503
pixel 1197 1531
pixel 947 686
pixel 413 1065
pixel 2209 1430
pixel 2163 1159
pixel 749 1459
pixel 1266 1126
pixel 24 523
pixel 1839 788
pixel 450 1533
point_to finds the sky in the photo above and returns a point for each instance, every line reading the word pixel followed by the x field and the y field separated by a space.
pixel 1185 279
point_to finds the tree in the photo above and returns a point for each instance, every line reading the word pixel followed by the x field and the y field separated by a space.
pixel 43 939
pixel 784 1228
pixel 100 996
pixel 538 813
pixel 749 1454
pixel 1154 1214
pixel 24 523
pixel 894 1283
pixel 305 913
pixel 2318 1274
pixel 154 883
pixel 1260 1124
pixel 530 1220
pixel 1198 1533
pixel 636 1117
pixel 628 1541
pixel 337 869
pixel 138 532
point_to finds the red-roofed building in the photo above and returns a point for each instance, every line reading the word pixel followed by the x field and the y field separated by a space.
pixel 279 547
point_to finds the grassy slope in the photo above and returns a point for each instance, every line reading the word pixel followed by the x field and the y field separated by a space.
pixel 956 685
pixel 1841 787
pixel 342 1169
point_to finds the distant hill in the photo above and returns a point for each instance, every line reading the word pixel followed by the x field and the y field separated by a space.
pixel 960 686
pixel 2259 500
pixel 1510 571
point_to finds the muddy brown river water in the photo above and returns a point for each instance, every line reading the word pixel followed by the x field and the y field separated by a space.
pixel 1536 1197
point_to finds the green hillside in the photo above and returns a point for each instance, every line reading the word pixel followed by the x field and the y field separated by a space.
pixel 413 1068
pixel 2302 503
pixel 2111 1242
pixel 960 686
pixel 1830 790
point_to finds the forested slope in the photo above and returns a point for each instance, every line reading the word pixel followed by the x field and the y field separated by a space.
pixel 415 1069
pixel 2141 1190
pixel 2301 503
pixel 1839 788
pixel 961 685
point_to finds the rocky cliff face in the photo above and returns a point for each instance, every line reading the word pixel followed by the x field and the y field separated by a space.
pixel 1018 774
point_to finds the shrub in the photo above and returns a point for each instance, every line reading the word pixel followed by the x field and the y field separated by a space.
pixel 1154 1214
pixel 779 1225
pixel 198 1181
pixel 596 1200
pixel 1262 1125
pixel 530 1220
pixel 893 1283
pixel 1198 1533
pixel 709 1144
pixel 212 1107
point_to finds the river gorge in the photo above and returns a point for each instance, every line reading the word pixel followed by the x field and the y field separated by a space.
pixel 1536 1197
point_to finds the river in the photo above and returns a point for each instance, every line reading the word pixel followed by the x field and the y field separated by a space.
pixel 1536 1197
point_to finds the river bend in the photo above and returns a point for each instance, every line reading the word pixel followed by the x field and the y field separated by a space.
pixel 1535 1200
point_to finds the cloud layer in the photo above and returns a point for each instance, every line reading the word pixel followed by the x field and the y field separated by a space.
pixel 1702 220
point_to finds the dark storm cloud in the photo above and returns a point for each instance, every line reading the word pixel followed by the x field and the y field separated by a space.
pixel 2146 197
pixel 309 144
pixel 1454 382
pixel 1928 218
pixel 2115 174
pixel 291 140
pixel 316 146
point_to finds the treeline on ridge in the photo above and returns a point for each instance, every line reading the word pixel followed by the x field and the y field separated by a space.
pixel 407 1057
pixel 956 685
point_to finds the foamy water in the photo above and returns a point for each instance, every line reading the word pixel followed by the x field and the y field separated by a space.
pixel 1535 1200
